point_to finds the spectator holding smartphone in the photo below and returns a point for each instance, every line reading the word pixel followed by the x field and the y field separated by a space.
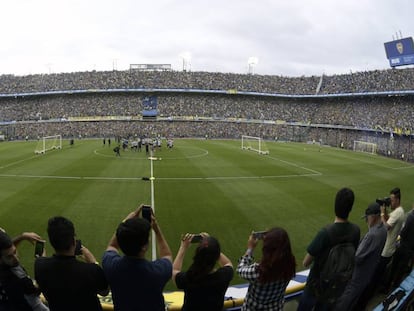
pixel 268 278
pixel 136 283
pixel 204 286
pixel 17 291
pixel 68 283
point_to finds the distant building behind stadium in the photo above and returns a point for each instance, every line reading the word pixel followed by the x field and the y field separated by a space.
pixel 150 67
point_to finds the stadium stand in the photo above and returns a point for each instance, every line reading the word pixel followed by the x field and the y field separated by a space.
pixel 373 106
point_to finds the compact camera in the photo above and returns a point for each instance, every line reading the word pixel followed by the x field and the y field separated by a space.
pixel 384 201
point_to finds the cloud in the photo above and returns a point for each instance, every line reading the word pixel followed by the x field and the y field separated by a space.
pixel 293 38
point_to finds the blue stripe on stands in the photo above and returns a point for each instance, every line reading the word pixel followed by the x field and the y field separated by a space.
pixel 300 278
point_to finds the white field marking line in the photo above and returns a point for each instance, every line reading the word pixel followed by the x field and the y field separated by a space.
pixel 367 159
pixel 70 177
pixel 296 165
pixel 122 157
pixel 30 158
pixel 368 156
pixel 20 161
pixel 157 178
pixel 236 177
pixel 163 156
pixel 314 173
pixel 403 167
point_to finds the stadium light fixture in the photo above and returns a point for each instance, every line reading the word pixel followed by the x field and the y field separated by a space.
pixel 252 61
pixel 186 57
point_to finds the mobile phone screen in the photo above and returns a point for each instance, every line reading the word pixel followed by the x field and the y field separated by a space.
pixel 197 238
pixel 39 247
pixel 146 212
pixel 78 248
pixel 259 235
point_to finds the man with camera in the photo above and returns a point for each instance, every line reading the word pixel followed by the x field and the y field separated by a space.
pixel 136 283
pixel 393 222
pixel 403 257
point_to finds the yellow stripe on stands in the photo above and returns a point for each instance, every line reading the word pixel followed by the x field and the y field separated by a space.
pixel 295 288
pixel 174 300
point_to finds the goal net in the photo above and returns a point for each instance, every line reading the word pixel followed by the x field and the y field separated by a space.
pixel 49 143
pixel 363 146
pixel 254 143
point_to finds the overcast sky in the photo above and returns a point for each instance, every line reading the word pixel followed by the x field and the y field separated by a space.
pixel 285 37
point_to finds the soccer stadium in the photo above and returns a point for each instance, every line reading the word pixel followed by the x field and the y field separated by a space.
pixel 246 153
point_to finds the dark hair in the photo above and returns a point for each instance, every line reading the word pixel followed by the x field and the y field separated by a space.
pixel 278 261
pixel 206 255
pixel 132 235
pixel 5 241
pixel 61 232
pixel 396 192
pixel 343 202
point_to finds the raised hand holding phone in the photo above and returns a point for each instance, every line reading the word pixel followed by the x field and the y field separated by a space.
pixel 147 212
pixel 78 248
pixel 39 248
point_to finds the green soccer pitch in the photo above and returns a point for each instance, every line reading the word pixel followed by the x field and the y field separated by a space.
pixel 200 185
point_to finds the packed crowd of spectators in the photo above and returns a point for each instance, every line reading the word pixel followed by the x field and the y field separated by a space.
pixel 218 115
pixel 368 81
pixel 336 121
pixel 356 112
pixel 212 129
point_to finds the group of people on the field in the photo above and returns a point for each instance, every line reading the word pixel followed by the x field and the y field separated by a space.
pixel 136 145
pixel 71 282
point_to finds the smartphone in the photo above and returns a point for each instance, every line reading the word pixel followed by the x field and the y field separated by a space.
pixel 39 248
pixel 259 235
pixel 78 248
pixel 146 212
pixel 197 238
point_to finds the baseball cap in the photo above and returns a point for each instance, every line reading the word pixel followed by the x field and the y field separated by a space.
pixel 372 209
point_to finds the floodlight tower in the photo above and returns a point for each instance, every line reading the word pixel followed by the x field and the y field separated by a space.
pixel 186 57
pixel 49 67
pixel 251 63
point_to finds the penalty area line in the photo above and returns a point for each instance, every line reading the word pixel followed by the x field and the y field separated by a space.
pixel 17 162
pixel 296 165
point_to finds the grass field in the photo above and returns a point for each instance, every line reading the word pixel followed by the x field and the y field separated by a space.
pixel 200 185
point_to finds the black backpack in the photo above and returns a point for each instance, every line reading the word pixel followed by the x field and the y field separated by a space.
pixel 338 267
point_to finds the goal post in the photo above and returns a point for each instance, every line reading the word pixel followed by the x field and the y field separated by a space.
pixel 363 146
pixel 49 143
pixel 256 144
